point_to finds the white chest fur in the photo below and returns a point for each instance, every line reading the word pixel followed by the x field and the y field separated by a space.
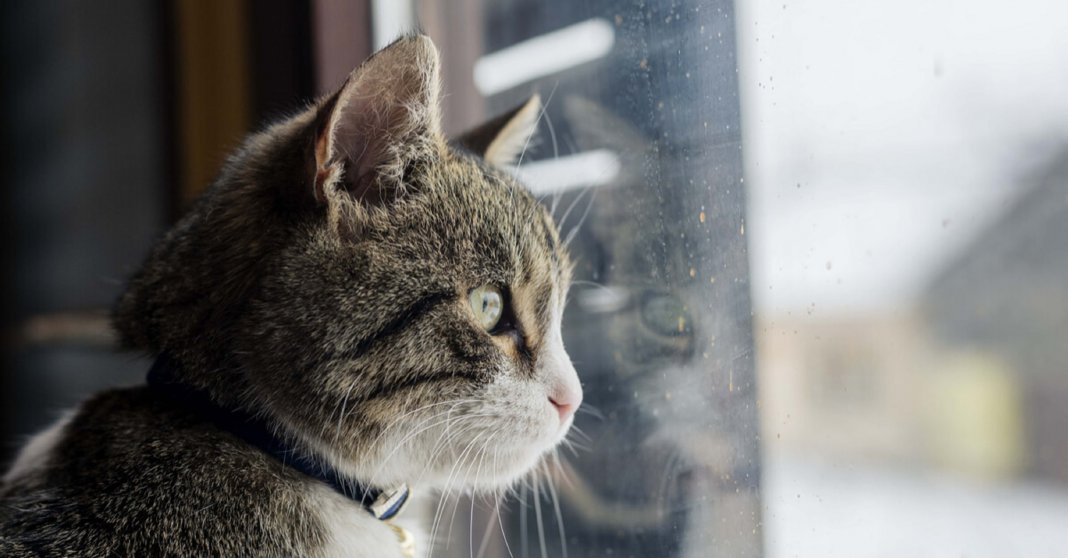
pixel 37 451
pixel 354 533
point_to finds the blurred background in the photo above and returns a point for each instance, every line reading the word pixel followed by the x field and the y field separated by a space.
pixel 822 296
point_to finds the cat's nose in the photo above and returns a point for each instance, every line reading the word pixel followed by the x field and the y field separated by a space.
pixel 565 390
pixel 566 401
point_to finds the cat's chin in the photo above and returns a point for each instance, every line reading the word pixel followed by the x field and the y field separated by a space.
pixel 499 467
pixel 478 468
pixel 511 466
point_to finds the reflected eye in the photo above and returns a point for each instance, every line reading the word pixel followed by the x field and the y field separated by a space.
pixel 488 305
pixel 665 314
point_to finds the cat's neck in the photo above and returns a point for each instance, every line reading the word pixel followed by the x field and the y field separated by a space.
pixel 165 378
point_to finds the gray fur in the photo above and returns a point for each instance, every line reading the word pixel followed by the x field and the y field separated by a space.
pixel 320 283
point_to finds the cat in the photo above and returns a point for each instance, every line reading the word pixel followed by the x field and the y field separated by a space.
pixel 355 309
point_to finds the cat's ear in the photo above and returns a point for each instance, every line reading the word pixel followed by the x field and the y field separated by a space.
pixel 383 119
pixel 502 140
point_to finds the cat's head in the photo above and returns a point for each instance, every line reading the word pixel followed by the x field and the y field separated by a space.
pixel 390 299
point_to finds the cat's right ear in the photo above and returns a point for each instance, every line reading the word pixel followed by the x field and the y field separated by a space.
pixel 384 119
pixel 502 140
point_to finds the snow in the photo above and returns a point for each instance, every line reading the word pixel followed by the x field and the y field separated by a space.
pixel 826 509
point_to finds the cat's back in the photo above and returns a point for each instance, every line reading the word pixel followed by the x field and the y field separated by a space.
pixel 131 473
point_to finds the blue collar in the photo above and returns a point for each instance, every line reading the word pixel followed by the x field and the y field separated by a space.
pixel 163 378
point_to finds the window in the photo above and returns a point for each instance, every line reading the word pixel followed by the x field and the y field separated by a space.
pixel 822 286
pixel 640 159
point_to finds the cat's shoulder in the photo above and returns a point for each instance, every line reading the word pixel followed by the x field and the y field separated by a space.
pixel 133 430
pixel 128 471
pixel 131 472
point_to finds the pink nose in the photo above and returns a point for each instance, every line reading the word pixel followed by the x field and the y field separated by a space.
pixel 566 403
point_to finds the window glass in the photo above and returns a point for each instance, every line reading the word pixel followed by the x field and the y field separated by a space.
pixel 639 158
pixel 890 266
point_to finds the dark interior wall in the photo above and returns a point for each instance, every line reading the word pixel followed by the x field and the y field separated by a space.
pixel 82 194
pixel 115 114
pixel 283 76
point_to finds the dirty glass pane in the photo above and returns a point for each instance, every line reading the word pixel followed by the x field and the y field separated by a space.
pixel 640 159
pixel 904 210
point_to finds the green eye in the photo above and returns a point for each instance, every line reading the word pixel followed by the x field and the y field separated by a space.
pixel 487 304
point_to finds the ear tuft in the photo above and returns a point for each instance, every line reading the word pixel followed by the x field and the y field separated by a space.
pixel 502 140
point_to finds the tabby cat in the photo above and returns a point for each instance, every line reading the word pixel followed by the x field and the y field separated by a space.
pixel 355 307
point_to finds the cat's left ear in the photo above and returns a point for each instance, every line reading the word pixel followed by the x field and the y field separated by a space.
pixel 384 119
pixel 502 140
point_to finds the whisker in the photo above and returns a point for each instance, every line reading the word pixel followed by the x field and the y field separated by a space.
pixel 419 429
pixel 541 114
pixel 574 446
pixel 463 483
pixel 396 421
pixel 582 220
pixel 537 513
pixel 497 509
pixel 447 437
pixel 460 462
pixel 341 416
pixel 504 536
pixel 571 207
pixel 559 516
pixel 552 134
pixel 441 502
pixel 579 432
pixel 523 536
pixel 588 409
